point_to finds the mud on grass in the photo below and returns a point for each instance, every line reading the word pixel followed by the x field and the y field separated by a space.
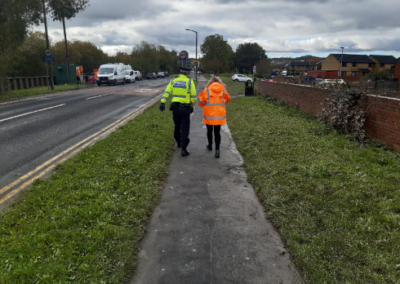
pixel 84 224
pixel 336 205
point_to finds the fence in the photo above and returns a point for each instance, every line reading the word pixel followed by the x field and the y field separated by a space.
pixel 383 121
pixel 21 83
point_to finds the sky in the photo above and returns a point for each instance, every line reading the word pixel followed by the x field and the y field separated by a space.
pixel 289 28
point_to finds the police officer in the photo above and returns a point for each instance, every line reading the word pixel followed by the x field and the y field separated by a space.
pixel 183 93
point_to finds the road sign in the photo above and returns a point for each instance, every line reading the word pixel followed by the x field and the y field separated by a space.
pixel 188 61
pixel 47 52
pixel 195 61
pixel 48 58
pixel 183 54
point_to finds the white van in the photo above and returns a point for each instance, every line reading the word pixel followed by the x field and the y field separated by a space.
pixel 138 75
pixel 111 73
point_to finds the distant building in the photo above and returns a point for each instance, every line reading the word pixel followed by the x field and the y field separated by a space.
pixel 351 65
pixel 384 63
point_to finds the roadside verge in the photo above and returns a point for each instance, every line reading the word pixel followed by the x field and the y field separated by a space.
pixel 84 224
pixel 336 205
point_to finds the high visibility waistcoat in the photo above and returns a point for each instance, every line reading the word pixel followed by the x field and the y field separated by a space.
pixel 182 90
pixel 213 99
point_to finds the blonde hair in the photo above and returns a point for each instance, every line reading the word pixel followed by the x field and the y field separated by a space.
pixel 215 79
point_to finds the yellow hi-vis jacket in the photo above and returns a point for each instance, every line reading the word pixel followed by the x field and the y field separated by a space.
pixel 182 90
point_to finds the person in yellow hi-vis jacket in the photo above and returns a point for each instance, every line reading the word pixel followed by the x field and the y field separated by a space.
pixel 183 93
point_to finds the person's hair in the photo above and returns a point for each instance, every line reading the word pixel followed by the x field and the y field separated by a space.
pixel 215 79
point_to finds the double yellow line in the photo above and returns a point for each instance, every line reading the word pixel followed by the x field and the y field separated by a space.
pixel 49 165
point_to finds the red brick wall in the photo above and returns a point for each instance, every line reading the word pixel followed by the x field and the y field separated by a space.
pixel 383 121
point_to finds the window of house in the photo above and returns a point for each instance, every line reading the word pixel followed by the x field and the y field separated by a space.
pixel 371 65
pixel 354 64
pixel 344 64
pixel 353 73
pixel 382 65
pixel 344 73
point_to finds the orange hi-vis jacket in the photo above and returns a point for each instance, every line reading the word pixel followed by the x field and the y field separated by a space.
pixel 213 99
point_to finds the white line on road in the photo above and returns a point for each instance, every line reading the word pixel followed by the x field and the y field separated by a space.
pixel 97 97
pixel 31 112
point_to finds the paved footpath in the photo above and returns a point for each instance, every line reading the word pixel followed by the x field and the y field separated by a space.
pixel 209 226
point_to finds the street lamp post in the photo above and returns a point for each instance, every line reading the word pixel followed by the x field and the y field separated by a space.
pixel 341 62
pixel 197 64
pixel 340 67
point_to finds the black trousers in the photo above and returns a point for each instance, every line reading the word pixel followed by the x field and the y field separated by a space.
pixel 181 116
pixel 217 134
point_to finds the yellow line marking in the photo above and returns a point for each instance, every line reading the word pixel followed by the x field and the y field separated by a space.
pixel 107 130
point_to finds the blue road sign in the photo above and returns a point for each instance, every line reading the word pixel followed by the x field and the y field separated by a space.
pixel 48 58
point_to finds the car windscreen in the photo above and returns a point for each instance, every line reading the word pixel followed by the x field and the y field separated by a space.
pixel 127 72
pixel 150 74
pixel 106 70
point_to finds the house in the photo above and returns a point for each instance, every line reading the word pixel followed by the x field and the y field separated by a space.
pixel 298 67
pixel 384 63
pixel 351 65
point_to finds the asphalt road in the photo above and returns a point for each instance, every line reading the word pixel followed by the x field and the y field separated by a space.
pixel 36 130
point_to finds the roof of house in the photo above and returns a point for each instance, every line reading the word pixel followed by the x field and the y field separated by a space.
pixel 297 63
pixel 385 59
pixel 353 58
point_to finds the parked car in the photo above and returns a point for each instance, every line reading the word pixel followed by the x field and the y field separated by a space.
pixel 333 81
pixel 130 76
pixel 166 74
pixel 138 75
pixel 111 73
pixel 241 78
pixel 160 75
pixel 151 75
pixel 319 81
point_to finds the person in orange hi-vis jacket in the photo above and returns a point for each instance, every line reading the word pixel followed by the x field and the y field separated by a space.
pixel 213 99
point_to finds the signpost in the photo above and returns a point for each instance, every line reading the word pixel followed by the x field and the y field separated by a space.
pixel 48 58
pixel 183 55
pixel 47 52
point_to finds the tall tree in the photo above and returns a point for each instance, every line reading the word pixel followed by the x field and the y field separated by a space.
pixel 264 68
pixel 248 55
pixel 214 46
pixel 66 9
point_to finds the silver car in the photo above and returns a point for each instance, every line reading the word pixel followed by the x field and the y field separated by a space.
pixel 241 78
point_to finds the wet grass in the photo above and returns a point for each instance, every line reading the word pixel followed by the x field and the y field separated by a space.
pixel 336 205
pixel 40 91
pixel 84 224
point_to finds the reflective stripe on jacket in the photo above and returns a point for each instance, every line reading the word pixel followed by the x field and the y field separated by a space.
pixel 213 100
pixel 182 90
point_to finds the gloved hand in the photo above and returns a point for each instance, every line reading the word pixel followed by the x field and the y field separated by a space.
pixel 191 109
pixel 162 107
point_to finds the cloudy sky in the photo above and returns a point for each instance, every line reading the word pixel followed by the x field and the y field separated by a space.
pixel 282 28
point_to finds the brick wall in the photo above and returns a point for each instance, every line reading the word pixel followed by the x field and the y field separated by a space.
pixel 383 121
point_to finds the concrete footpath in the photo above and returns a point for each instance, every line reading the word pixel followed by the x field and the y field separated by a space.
pixel 209 226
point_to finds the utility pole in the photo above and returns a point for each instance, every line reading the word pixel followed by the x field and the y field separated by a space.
pixel 49 66
pixel 340 67
pixel 66 51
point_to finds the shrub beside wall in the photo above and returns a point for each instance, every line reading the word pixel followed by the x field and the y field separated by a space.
pixel 383 121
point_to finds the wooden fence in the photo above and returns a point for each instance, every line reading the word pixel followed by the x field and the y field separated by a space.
pixel 21 83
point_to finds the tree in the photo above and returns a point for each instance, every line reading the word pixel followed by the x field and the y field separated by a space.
pixel 213 65
pixel 214 46
pixel 249 54
pixel 66 9
pixel 264 68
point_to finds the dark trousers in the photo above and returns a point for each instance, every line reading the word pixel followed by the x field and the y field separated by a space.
pixel 217 134
pixel 181 116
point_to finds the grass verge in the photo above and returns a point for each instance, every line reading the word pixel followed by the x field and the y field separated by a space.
pixel 336 205
pixel 234 88
pixel 40 91
pixel 84 224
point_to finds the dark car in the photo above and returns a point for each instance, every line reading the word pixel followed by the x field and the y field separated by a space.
pixel 160 75
pixel 151 75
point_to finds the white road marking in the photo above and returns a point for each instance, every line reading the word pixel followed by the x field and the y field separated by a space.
pixel 97 96
pixel 31 112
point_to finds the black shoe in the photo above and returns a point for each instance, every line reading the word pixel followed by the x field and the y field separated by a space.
pixel 209 147
pixel 216 153
pixel 184 153
pixel 178 145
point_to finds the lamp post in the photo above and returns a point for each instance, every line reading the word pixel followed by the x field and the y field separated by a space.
pixel 341 62
pixel 196 51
